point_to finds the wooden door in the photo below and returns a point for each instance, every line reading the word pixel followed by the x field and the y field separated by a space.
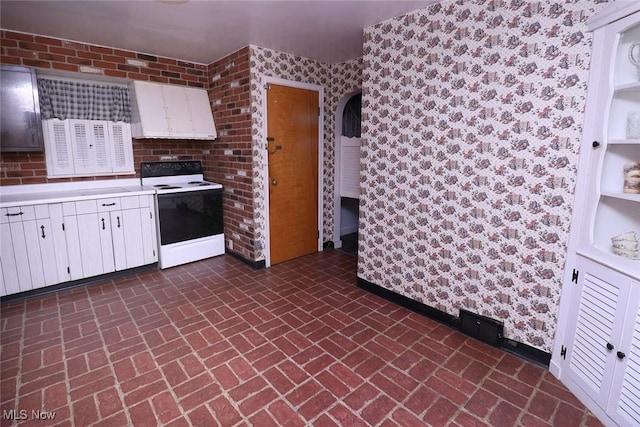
pixel 292 132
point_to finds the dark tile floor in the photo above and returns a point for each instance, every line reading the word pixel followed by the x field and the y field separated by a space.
pixel 217 343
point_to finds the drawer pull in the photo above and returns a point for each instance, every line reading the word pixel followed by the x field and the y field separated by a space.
pixel 109 204
pixel 15 214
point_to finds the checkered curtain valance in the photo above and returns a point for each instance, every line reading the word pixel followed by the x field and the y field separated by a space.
pixel 86 101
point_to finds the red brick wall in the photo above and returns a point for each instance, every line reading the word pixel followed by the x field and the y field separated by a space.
pixel 53 54
pixel 227 160
pixel 231 158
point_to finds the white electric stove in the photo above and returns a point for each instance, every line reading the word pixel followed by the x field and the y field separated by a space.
pixel 189 211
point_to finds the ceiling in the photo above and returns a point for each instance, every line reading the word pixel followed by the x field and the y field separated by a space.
pixel 203 31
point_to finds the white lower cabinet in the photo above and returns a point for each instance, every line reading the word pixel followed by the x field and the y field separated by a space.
pixel 113 234
pixel 82 223
pixel 13 250
pixel 126 226
pixel 149 237
pixel 32 250
pixel 601 361
pixel 42 245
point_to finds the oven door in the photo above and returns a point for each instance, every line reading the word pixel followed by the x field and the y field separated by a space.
pixel 189 215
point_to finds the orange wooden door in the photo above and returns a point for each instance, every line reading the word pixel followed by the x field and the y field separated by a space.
pixel 292 132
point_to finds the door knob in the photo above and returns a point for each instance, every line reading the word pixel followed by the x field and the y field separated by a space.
pixel 274 182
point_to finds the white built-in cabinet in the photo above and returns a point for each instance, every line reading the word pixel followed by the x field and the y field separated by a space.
pixel 170 111
pixel 47 244
pixel 112 234
pixel 601 359
pixel 32 248
pixel 87 147
pixel 597 349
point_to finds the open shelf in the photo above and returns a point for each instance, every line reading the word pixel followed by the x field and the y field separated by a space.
pixel 605 256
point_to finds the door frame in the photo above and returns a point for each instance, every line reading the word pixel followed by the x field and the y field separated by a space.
pixel 299 85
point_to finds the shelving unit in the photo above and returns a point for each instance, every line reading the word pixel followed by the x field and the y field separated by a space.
pixel 613 211
pixel 597 348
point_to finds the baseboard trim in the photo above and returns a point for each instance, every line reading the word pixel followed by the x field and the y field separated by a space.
pixel 413 305
pixel 256 265
pixel 77 283
pixel 519 349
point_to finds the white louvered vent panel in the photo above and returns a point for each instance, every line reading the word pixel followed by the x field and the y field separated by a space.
pixel 121 147
pixel 100 142
pixel 63 156
pixel 593 330
pixel 629 403
pixel 350 167
pixel 119 157
pixel 81 139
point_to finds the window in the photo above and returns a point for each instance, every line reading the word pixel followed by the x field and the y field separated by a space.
pixel 87 147
pixel 86 127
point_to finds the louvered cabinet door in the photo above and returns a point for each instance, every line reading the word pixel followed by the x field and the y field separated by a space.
pixel 91 146
pixel 100 147
pixel 80 131
pixel 599 321
pixel 624 405
pixel 57 140
pixel 350 167
pixel 122 148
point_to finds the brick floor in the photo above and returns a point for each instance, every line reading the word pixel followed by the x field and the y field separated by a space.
pixel 217 343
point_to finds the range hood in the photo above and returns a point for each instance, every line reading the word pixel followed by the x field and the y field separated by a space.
pixel 170 112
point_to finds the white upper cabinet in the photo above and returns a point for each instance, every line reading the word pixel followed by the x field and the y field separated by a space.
pixel 168 111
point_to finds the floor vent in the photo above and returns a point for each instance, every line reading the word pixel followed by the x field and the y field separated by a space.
pixel 485 329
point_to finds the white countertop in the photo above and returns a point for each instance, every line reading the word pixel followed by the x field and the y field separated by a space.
pixel 36 194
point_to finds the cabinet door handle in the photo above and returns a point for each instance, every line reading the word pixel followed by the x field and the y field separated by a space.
pixel 15 214
pixel 103 227
pixel 109 204
pixel 595 144
pixel 42 229
pixel 609 346
pixel 621 355
pixel 118 218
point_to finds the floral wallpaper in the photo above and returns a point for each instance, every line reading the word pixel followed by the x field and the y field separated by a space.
pixel 337 81
pixel 472 114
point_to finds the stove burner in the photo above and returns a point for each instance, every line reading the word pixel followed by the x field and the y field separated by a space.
pixel 169 187
pixel 199 183
pixel 161 185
